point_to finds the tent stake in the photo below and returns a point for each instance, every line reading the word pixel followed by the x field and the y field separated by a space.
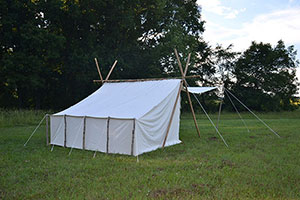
pixel 172 115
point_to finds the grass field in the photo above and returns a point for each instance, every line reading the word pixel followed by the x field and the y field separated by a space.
pixel 257 165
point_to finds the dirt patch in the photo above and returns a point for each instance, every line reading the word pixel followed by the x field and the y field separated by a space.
pixel 226 163
pixel 212 138
pixel 160 169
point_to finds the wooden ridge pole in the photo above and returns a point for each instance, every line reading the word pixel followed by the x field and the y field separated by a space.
pixel 187 92
pixel 172 114
pixel 145 79
pixel 98 68
pixel 112 68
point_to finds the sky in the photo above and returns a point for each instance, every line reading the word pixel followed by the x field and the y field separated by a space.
pixel 239 22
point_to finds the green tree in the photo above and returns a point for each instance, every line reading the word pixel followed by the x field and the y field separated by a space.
pixel 29 54
pixel 47 47
pixel 265 77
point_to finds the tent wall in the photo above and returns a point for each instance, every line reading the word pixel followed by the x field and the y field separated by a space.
pixel 105 135
pixel 96 134
pixel 152 127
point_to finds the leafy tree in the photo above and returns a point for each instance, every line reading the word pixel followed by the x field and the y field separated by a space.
pixel 218 63
pixel 29 54
pixel 265 77
pixel 47 47
pixel 224 59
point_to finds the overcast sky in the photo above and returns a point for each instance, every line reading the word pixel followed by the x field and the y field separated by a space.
pixel 239 22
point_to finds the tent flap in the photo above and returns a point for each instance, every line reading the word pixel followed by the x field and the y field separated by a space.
pixel 200 90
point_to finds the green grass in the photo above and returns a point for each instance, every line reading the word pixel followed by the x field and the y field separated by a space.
pixel 257 165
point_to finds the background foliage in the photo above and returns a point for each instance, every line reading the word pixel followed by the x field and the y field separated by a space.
pixel 48 49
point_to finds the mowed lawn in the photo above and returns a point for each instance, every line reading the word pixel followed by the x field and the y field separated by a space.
pixel 257 164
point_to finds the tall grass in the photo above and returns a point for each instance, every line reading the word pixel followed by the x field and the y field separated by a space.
pixel 20 117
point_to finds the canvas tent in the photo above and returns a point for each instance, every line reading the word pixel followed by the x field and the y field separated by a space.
pixel 126 118
pixel 130 116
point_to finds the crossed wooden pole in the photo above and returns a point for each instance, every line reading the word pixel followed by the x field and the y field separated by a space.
pixel 109 73
pixel 183 82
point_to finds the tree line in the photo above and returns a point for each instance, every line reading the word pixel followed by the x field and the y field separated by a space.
pixel 48 50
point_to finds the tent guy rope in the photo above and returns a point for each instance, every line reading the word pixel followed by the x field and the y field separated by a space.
pixel 253 114
pixel 237 111
pixel 210 120
pixel 35 130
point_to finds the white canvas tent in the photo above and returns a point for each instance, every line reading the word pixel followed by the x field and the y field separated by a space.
pixel 130 117
pixel 127 118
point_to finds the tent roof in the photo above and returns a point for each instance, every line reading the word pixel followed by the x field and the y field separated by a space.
pixel 124 99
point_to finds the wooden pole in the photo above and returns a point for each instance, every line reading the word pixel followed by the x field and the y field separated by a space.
pixel 65 132
pixel 145 79
pixel 187 92
pixel 107 135
pixel 98 68
pixel 179 63
pixel 172 114
pixel 132 139
pixel 47 129
pixel 83 135
pixel 112 68
pixel 187 64
pixel 192 109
